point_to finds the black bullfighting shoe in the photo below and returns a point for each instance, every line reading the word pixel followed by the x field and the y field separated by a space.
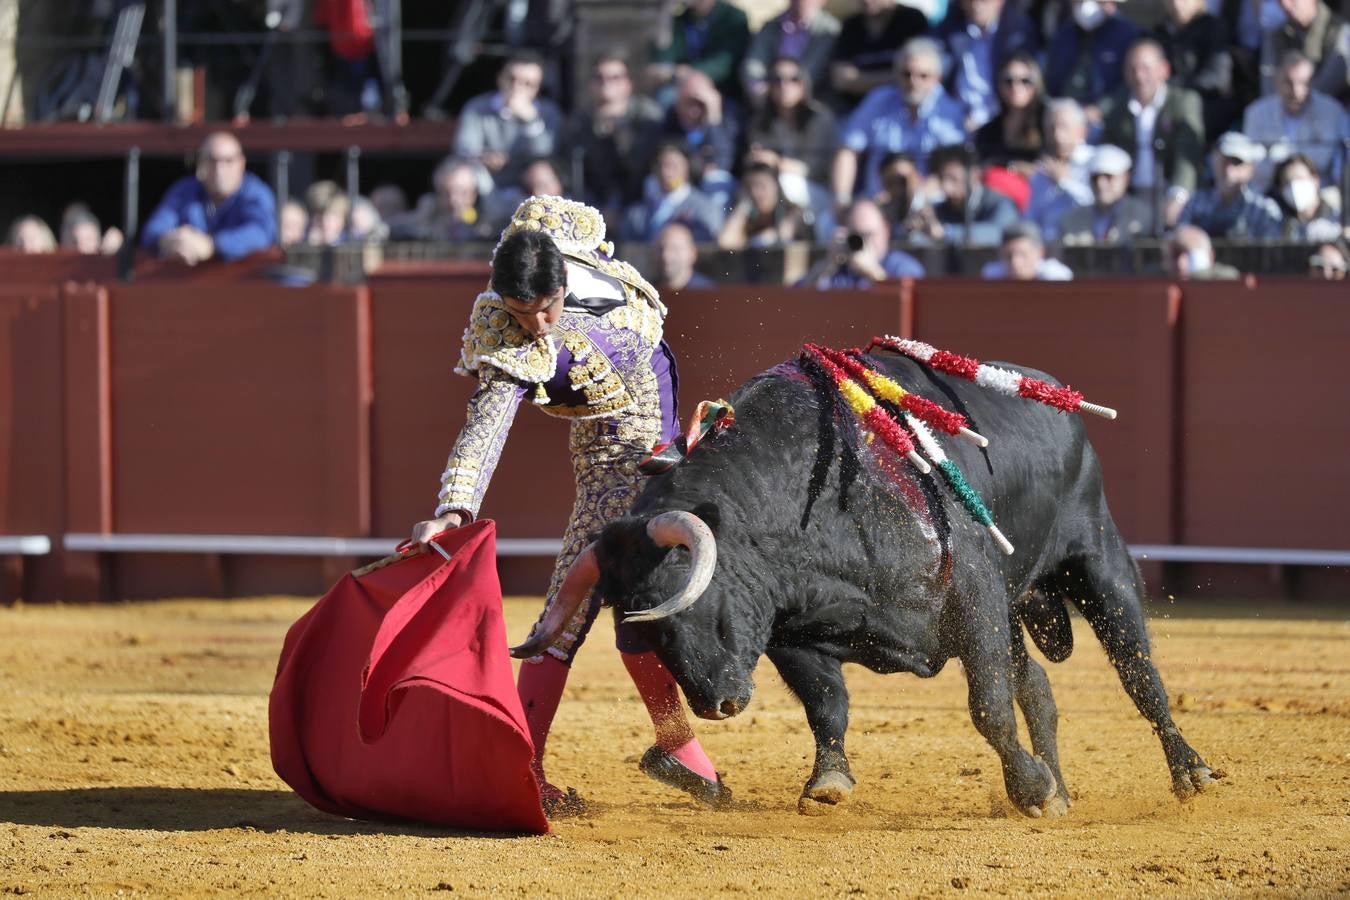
pixel 666 769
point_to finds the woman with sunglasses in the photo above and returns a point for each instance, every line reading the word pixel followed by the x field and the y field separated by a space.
pixel 1013 138
pixel 792 132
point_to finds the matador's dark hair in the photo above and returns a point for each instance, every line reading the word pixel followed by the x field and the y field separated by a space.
pixel 527 266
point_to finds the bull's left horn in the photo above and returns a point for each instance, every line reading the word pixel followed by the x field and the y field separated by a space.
pixel 576 589
pixel 682 529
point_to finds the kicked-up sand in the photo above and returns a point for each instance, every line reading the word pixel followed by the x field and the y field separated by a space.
pixel 134 761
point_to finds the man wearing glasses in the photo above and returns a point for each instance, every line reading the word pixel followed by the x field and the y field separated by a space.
pixel 223 212
pixel 914 115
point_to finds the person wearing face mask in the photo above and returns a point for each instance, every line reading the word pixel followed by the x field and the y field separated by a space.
pixel 1298 119
pixel 1086 53
pixel 1189 256
pixel 1298 191
pixel 1231 208
pixel 1322 36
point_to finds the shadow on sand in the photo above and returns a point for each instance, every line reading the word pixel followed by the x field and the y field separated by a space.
pixel 189 809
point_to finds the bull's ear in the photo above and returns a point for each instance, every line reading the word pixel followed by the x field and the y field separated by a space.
pixel 710 514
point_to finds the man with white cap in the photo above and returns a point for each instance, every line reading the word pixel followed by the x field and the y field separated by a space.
pixel 1231 208
pixel 1114 216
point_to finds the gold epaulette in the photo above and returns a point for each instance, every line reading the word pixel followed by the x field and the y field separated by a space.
pixel 495 339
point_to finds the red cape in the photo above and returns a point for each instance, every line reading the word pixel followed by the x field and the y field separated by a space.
pixel 394 696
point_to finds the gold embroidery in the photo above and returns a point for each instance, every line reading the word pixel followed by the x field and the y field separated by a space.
pixel 494 338
pixel 576 228
pixel 479 445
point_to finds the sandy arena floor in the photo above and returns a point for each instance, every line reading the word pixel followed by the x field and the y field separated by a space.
pixel 134 760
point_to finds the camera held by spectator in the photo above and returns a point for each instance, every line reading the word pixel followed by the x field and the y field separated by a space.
pixel 860 254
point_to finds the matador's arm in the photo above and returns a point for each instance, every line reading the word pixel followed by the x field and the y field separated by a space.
pixel 492 408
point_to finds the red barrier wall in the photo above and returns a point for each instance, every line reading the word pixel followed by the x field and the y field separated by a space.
pixel 31 434
pixel 1113 340
pixel 1259 365
pixel 245 407
pixel 721 336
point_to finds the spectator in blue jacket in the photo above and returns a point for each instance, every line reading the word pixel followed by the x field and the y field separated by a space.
pixel 223 212
pixel 914 115
pixel 1086 57
pixel 980 36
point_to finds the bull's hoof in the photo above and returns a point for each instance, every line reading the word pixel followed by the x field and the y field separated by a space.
pixel 1054 806
pixel 659 764
pixel 824 792
pixel 1053 803
pixel 1193 780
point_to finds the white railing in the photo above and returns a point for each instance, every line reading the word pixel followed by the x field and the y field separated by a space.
pixel 25 545
pixel 282 545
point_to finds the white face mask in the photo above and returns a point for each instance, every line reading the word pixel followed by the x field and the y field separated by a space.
pixel 1200 259
pixel 1301 194
pixel 1088 14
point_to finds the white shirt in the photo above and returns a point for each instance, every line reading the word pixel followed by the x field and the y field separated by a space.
pixel 1145 119
pixel 1048 269
pixel 587 282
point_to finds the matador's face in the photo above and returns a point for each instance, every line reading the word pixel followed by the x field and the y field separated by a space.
pixel 537 316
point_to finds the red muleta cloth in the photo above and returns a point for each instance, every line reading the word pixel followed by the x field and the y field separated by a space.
pixel 394 696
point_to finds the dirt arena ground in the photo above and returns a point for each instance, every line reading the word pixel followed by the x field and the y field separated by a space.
pixel 134 760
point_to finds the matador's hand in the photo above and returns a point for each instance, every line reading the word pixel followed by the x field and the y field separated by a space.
pixel 425 531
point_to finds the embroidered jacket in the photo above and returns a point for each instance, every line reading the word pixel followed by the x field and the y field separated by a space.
pixel 603 360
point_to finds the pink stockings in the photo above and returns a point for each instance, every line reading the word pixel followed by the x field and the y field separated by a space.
pixel 541 686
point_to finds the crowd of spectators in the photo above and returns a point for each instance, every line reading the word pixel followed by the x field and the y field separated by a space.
pixel 997 123
pixel 1021 125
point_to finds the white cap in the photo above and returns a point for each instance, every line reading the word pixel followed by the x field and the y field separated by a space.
pixel 1110 160
pixel 1237 145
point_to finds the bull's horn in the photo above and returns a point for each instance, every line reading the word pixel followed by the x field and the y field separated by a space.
pixel 682 529
pixel 576 589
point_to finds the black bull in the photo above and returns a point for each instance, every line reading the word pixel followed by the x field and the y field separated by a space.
pixel 819 561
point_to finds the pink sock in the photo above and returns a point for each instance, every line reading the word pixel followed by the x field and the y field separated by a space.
pixel 540 687
pixel 661 695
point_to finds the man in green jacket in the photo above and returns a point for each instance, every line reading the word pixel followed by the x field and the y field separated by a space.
pixel 708 35
pixel 1161 126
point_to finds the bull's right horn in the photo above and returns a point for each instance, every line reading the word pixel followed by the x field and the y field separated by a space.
pixel 576 590
pixel 682 529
